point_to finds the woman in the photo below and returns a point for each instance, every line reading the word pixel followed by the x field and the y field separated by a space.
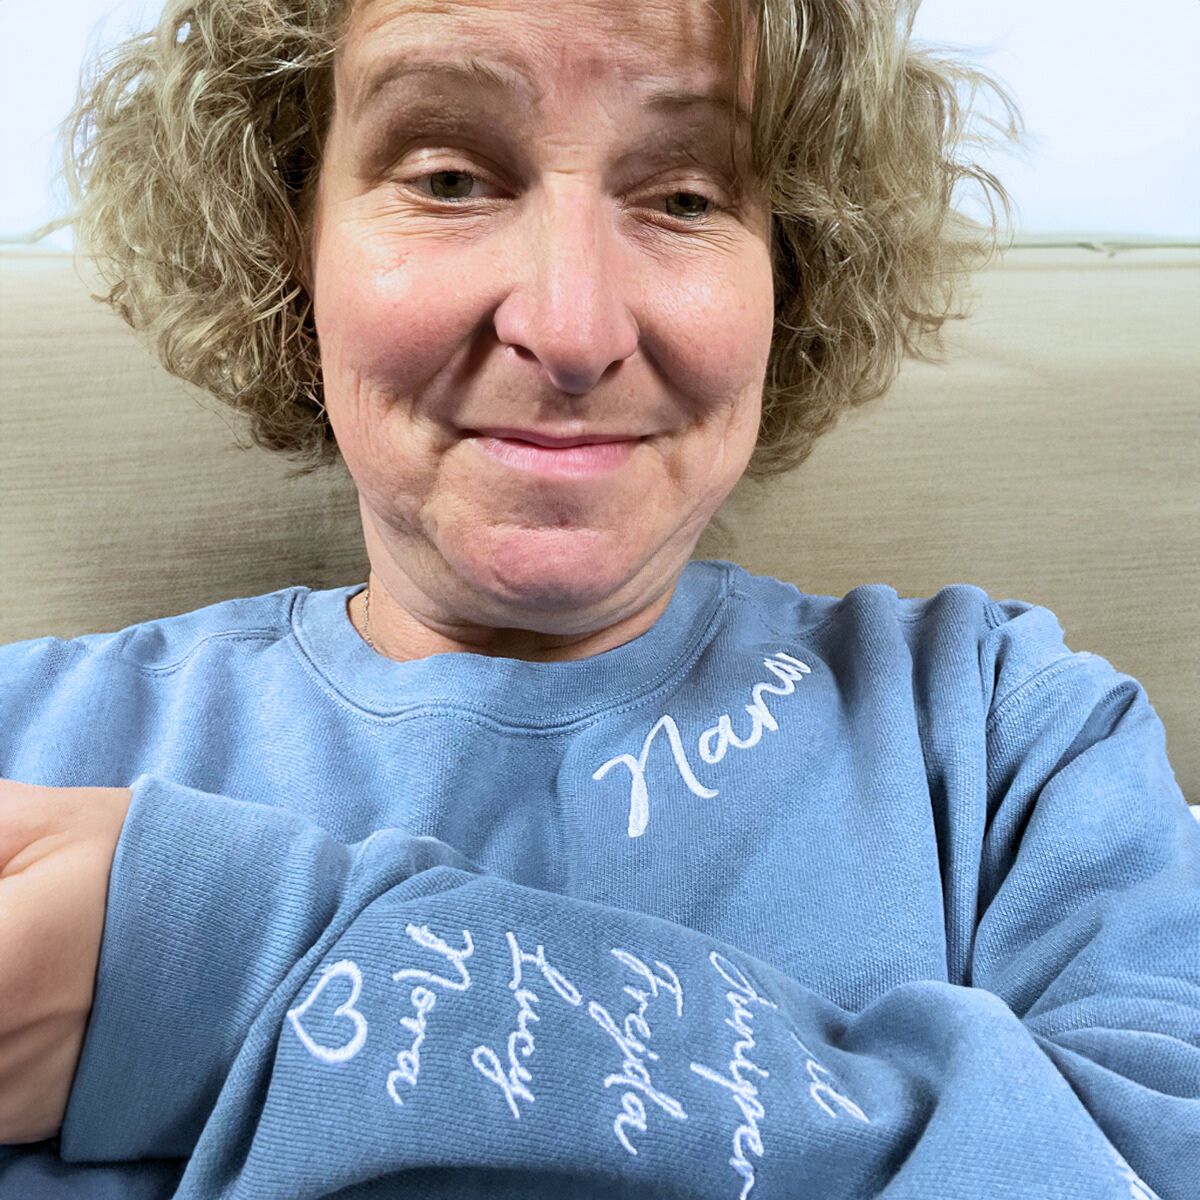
pixel 550 863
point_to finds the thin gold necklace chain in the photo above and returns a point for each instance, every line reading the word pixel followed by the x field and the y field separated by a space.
pixel 367 616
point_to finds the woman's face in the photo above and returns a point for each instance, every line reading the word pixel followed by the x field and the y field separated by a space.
pixel 544 247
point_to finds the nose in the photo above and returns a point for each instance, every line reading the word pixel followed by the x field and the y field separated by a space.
pixel 568 310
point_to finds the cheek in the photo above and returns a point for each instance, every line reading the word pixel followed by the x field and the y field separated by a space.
pixel 718 327
pixel 380 321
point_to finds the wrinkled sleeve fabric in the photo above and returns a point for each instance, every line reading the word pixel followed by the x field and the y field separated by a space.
pixel 307 1018
pixel 1090 895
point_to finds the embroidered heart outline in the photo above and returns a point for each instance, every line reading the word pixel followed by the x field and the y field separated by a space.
pixel 340 1053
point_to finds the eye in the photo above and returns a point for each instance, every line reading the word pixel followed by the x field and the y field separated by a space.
pixel 691 201
pixel 451 185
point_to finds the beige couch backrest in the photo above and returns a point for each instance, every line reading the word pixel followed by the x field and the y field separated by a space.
pixel 1055 458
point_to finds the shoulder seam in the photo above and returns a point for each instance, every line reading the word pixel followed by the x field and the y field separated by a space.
pixel 247 635
pixel 1016 698
pixel 802 630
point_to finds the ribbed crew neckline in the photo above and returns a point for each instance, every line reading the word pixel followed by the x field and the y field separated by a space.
pixel 510 689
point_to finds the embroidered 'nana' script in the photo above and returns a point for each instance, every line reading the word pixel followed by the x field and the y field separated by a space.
pixel 712 745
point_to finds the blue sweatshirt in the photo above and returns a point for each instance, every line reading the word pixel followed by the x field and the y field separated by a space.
pixel 790 896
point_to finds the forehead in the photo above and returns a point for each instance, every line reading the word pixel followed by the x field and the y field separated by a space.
pixel 530 46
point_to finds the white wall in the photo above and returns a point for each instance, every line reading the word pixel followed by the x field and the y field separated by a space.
pixel 1114 123
pixel 1111 102
pixel 41 49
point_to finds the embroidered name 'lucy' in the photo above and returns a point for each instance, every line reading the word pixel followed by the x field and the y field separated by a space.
pixel 485 1059
pixel 712 744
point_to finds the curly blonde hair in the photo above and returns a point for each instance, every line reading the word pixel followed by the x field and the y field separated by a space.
pixel 192 153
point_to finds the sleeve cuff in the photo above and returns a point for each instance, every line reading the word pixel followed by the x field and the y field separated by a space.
pixel 211 901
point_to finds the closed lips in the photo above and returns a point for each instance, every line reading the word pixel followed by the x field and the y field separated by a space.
pixel 582 458
pixel 547 440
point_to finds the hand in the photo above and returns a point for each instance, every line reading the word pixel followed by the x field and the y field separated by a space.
pixel 56 853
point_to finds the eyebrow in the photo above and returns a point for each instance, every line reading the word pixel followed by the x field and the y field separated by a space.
pixel 483 74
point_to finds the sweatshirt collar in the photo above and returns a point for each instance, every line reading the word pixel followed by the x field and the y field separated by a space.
pixel 529 694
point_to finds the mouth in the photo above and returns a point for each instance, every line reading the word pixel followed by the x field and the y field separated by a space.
pixel 550 440
pixel 580 459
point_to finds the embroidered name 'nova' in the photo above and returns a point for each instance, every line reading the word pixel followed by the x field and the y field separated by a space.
pixel 712 744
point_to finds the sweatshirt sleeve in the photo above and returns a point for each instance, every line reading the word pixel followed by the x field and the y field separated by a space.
pixel 307 1018
pixel 1090 897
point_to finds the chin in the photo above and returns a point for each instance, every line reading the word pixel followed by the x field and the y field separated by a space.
pixel 548 569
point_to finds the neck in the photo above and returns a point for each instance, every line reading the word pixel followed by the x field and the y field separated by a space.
pixel 384 625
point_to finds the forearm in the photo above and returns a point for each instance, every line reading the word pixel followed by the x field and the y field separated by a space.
pixel 56 848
